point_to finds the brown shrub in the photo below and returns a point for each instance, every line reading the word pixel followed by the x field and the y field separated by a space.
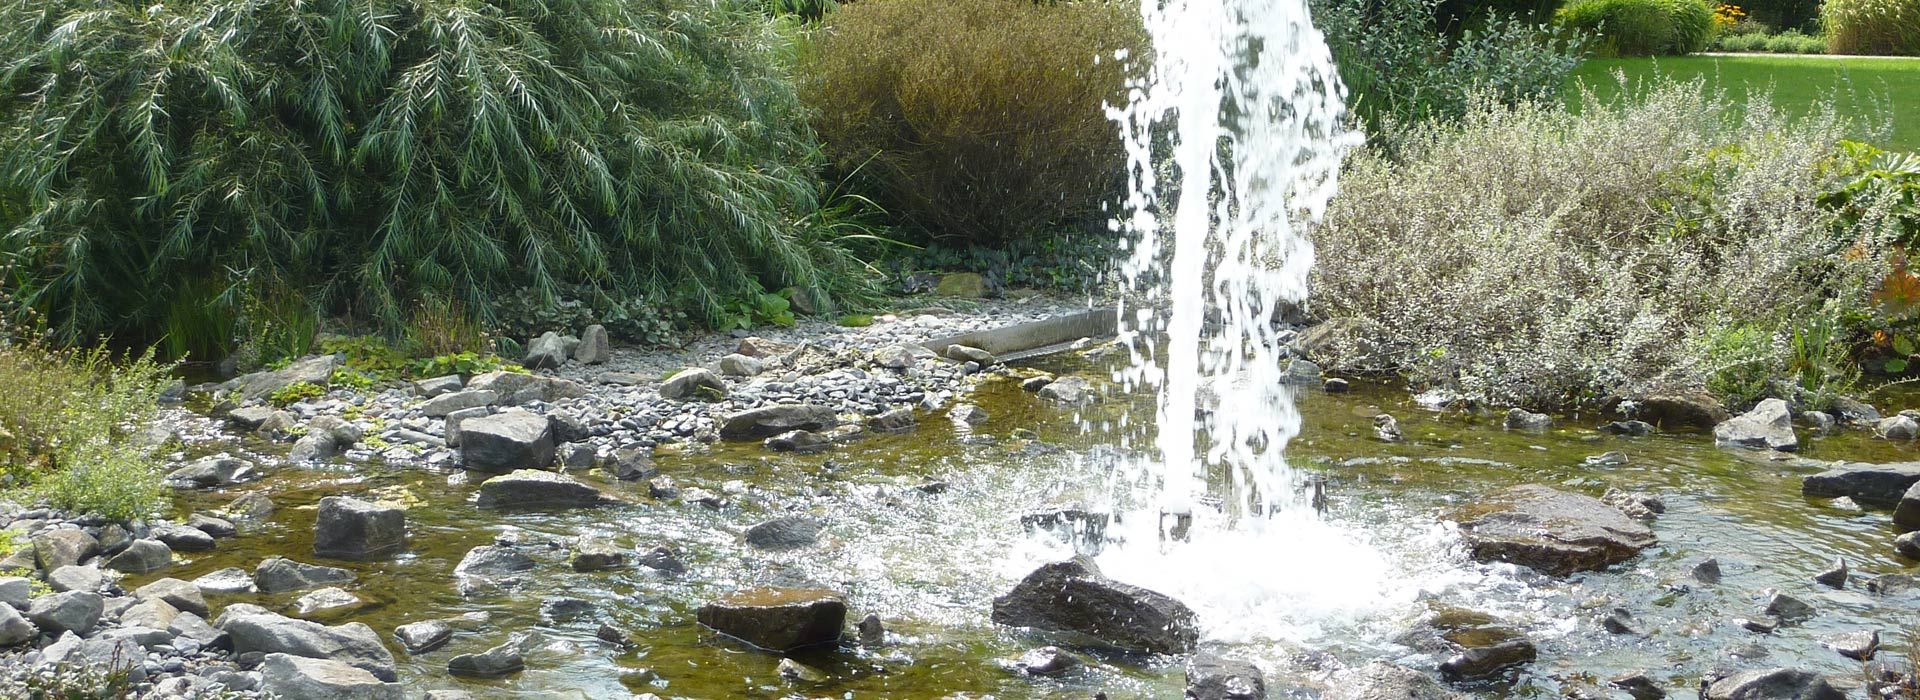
pixel 981 119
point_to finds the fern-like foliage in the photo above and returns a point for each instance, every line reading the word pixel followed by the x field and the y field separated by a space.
pixel 369 153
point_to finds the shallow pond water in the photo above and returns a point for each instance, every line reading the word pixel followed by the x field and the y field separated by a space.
pixel 929 564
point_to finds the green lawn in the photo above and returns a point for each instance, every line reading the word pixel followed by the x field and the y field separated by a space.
pixel 1866 88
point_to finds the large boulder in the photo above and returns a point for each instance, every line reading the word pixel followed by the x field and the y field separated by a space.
pixel 1769 425
pixel 142 556
pixel 593 348
pixel 515 388
pixel 291 677
pixel 532 488
pixel 59 547
pixel 1677 411
pixel 14 628
pixel 1073 596
pixel 72 611
pixel 181 595
pixel 350 528
pixel 693 383
pixel 278 574
pixel 1552 531
pixel 1772 684
pixel 506 440
pixel 545 352
pixel 778 619
pixel 1906 514
pixel 450 403
pixel 353 644
pixel 768 421
pixel 260 385
pixel 1881 485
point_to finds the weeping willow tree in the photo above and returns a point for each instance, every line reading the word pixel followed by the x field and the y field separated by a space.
pixel 365 154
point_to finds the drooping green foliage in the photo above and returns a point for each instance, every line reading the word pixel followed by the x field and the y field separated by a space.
pixel 980 120
pixel 363 156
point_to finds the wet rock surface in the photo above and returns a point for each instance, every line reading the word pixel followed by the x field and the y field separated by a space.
pixel 778 619
pixel 1073 596
pixel 1550 530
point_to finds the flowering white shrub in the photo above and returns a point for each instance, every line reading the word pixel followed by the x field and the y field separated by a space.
pixel 1538 257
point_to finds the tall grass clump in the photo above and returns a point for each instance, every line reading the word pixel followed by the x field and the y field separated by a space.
pixel 1539 257
pixel 1640 27
pixel 1401 67
pixel 356 157
pixel 67 420
pixel 1872 27
pixel 980 120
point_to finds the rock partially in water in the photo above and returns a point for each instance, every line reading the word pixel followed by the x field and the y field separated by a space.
pixel 142 556
pixel 632 463
pixel 493 559
pixel 354 644
pixel 1859 646
pixel 778 619
pixel 1073 596
pixel 71 611
pixel 1868 484
pixel 1639 685
pixel 498 661
pixel 1677 411
pixel 1634 504
pixel 873 633
pixel 1522 419
pixel 1898 428
pixel 1068 391
pixel 597 554
pixel 214 527
pixel 506 440
pixel 799 441
pixel 1771 684
pixel 532 488
pixel 1835 576
pixel 662 559
pixel 1707 571
pixel 1045 661
pixel 898 420
pixel 1552 531
pixel 260 385
pixel 1768 426
pixel 1381 680
pixel 350 528
pixel 326 602
pixel 181 538
pixel 1788 608
pixel 211 472
pixel 784 533
pixel 1387 428
pixel 1483 662
pixel 562 609
pixel 182 595
pixel 1211 677
pixel 251 508
pixel 291 677
pixel 694 383
pixel 229 581
pixel 424 636
pixel 1908 545
pixel 1906 514
pixel 795 672
pixel 768 421
pixel 1631 428
pixel 279 574
pixel 968 415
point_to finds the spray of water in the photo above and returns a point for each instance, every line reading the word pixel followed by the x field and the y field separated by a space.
pixel 1234 138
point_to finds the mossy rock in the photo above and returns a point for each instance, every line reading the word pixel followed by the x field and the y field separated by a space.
pixel 965 285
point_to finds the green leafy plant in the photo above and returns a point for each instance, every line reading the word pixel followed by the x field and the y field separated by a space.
pixel 66 421
pixel 1639 27
pixel 1872 27
pixel 856 320
pixel 296 392
pixel 1878 184
pixel 356 157
pixel 976 119
pixel 465 364
pixel 1402 67
pixel 758 310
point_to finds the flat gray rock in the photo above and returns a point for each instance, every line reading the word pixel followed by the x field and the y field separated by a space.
pixel 1552 531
